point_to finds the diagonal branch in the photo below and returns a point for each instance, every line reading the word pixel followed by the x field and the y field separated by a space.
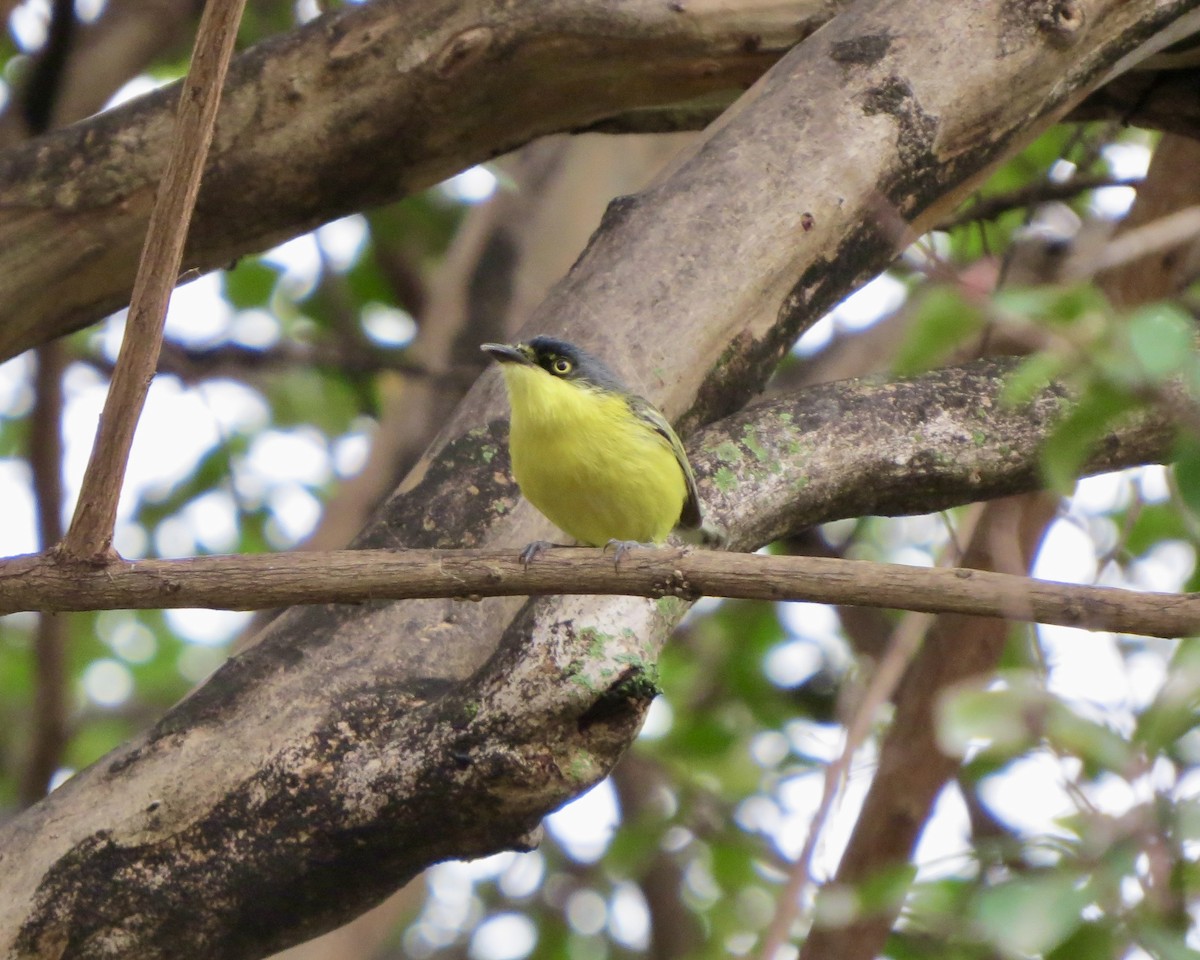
pixel 90 535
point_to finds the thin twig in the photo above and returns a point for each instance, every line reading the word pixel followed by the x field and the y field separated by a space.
pixel 90 535
pixel 988 208
pixel 355 576
pixel 235 361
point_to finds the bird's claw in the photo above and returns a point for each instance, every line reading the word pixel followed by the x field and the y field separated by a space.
pixel 534 550
pixel 621 548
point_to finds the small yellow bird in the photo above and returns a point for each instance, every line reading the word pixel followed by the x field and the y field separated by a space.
pixel 595 458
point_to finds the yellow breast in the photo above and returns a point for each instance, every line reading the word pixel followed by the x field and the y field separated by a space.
pixel 588 464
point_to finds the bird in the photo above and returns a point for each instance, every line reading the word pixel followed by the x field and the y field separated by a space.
pixel 598 460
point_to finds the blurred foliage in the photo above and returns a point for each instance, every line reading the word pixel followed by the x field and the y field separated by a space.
pixel 714 802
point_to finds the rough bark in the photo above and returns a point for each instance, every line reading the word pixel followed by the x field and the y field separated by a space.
pixel 361 106
pixel 430 719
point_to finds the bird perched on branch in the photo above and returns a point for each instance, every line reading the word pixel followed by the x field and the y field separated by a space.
pixel 599 461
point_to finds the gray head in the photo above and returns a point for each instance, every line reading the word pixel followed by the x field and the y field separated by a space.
pixel 559 359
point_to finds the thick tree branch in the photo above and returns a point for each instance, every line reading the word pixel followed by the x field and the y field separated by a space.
pixel 359 107
pixel 314 119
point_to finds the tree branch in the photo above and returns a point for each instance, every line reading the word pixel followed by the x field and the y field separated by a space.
pixel 313 118
pixel 90 535
pixel 257 581
pixel 49 733
pixel 359 107
pixel 988 208
pixel 41 91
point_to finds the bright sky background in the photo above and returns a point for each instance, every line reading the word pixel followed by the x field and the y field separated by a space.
pixel 286 468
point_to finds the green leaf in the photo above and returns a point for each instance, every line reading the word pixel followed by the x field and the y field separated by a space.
pixel 1089 940
pixel 943 319
pixel 1156 522
pixel 250 284
pixel 305 396
pixel 1187 470
pixel 14 437
pixel 1165 944
pixel 1075 303
pixel 930 901
pixel 1061 305
pixel 704 738
pixel 1002 718
pixel 367 283
pixel 1187 820
pixel 1100 748
pixel 1069 445
pixel 1176 709
pixel 1032 377
pixel 1161 337
pixel 1032 914
pixel 884 891
pixel 732 865
pixel 1034 161
pixel 633 847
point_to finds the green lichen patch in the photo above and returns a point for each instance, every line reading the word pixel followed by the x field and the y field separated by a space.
pixel 728 452
pixel 725 480
pixel 752 443
pixel 669 608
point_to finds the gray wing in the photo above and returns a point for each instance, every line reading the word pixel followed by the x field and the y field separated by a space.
pixel 690 518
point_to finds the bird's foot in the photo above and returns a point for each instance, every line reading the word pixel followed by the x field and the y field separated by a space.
pixel 534 550
pixel 622 547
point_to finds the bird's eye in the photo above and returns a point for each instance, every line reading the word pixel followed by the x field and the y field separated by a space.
pixel 561 366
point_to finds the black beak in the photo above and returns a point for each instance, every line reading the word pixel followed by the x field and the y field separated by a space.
pixel 503 353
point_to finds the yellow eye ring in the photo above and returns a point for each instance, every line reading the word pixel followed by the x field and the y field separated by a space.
pixel 562 365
